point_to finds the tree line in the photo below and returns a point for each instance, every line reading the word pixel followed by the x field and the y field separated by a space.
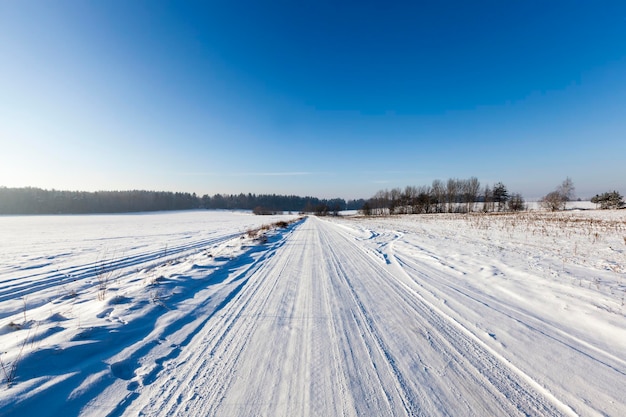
pixel 466 195
pixel 451 196
pixel 31 200
pixel 276 202
pixel 38 201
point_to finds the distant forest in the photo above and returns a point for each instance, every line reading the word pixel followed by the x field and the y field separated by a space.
pixel 38 201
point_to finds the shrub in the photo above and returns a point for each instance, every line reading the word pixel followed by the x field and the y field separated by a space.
pixel 262 211
pixel 557 199
pixel 517 203
pixel 553 201
pixel 609 200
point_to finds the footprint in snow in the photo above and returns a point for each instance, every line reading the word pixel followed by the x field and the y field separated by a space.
pixel 105 313
pixel 123 370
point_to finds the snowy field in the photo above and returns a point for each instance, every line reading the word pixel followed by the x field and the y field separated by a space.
pixel 188 313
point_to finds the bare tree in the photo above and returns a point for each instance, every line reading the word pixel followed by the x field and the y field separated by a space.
pixel 424 199
pixel 380 202
pixel 471 188
pixel 557 199
pixel 395 201
pixel 452 192
pixel 487 199
pixel 438 196
pixel 553 201
pixel 517 203
pixel 566 189
pixel 409 198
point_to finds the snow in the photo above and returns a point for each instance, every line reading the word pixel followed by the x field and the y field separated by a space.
pixel 186 313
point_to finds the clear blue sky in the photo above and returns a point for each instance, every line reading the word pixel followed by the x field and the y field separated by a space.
pixel 324 98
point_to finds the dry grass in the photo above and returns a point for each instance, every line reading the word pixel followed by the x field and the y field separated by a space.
pixel 260 234
pixel 555 225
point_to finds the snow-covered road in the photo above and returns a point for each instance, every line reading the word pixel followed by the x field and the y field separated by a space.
pixel 343 318
pixel 325 328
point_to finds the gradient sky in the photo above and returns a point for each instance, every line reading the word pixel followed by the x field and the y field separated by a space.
pixel 323 98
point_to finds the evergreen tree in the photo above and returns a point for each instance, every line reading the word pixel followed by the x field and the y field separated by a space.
pixel 609 200
pixel 500 195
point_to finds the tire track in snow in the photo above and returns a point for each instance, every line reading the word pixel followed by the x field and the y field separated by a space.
pixel 364 322
pixel 577 351
pixel 286 368
pixel 20 286
pixel 541 326
pixel 446 338
pixel 149 359
pixel 322 328
pixel 209 364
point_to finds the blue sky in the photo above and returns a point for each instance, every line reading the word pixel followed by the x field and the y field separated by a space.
pixel 332 99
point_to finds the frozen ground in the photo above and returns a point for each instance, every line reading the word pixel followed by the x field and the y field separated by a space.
pixel 187 314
